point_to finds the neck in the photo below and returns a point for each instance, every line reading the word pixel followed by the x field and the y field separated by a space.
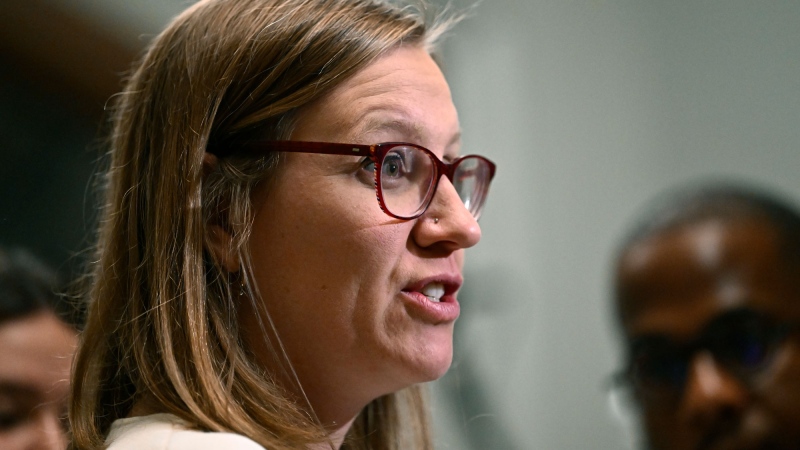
pixel 333 400
pixel 335 438
pixel 333 407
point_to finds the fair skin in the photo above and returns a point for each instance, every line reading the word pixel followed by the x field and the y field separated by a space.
pixel 33 390
pixel 341 280
pixel 673 285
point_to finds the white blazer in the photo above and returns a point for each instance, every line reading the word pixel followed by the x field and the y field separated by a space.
pixel 168 432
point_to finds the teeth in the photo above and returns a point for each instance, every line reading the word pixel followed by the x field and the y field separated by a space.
pixel 434 291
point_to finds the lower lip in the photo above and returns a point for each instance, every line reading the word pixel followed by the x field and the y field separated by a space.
pixel 444 311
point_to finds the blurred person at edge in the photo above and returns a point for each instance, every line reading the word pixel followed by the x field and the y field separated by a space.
pixel 283 233
pixel 36 349
pixel 708 298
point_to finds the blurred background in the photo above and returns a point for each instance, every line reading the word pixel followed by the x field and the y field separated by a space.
pixel 589 109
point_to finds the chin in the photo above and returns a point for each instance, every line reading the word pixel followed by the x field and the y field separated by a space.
pixel 440 370
pixel 432 362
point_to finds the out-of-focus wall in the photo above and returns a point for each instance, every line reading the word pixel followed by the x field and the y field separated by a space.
pixel 56 73
pixel 45 165
pixel 590 109
pixel 137 20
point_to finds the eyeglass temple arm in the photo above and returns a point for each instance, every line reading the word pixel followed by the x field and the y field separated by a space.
pixel 328 148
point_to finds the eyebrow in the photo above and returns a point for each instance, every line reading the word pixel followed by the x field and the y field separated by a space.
pixel 412 130
pixel 391 119
pixel 16 389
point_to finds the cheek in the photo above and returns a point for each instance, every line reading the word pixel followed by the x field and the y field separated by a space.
pixel 325 252
pixel 666 429
pixel 782 389
pixel 662 426
pixel 18 437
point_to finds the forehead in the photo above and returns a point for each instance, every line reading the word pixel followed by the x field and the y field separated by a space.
pixel 41 347
pixel 675 282
pixel 403 94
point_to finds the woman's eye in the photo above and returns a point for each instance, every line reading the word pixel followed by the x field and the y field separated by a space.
pixel 367 164
pixel 366 171
pixel 393 166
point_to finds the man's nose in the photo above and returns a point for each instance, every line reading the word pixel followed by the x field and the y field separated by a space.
pixel 712 394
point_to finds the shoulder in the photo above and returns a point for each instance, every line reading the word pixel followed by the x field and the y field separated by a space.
pixel 168 432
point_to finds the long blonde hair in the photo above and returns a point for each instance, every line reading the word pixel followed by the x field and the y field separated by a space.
pixel 162 320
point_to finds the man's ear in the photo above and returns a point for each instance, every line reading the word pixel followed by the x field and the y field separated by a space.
pixel 220 241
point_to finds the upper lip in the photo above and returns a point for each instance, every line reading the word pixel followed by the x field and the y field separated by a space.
pixel 451 282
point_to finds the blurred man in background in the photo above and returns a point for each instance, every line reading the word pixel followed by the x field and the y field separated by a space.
pixel 36 350
pixel 708 298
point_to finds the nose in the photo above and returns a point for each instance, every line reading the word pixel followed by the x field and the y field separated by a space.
pixel 45 431
pixel 713 397
pixel 447 224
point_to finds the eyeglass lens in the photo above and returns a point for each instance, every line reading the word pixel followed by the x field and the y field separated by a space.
pixel 409 174
pixel 406 180
pixel 742 341
pixel 470 180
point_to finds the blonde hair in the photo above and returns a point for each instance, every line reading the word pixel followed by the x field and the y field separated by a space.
pixel 162 319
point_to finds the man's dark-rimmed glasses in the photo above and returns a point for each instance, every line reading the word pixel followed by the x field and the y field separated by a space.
pixel 742 341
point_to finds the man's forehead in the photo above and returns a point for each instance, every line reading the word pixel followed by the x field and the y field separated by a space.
pixel 675 281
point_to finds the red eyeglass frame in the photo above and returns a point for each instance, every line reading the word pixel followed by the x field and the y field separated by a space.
pixel 376 152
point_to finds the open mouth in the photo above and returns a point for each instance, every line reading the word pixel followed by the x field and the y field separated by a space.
pixel 433 299
pixel 434 291
pixel 440 289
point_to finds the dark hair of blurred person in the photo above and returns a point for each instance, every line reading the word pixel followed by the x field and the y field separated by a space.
pixel 708 298
pixel 36 350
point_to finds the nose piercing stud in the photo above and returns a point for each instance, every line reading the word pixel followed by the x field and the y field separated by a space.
pixel 435 220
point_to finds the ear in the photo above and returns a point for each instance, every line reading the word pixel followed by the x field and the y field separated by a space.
pixel 220 244
pixel 220 241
